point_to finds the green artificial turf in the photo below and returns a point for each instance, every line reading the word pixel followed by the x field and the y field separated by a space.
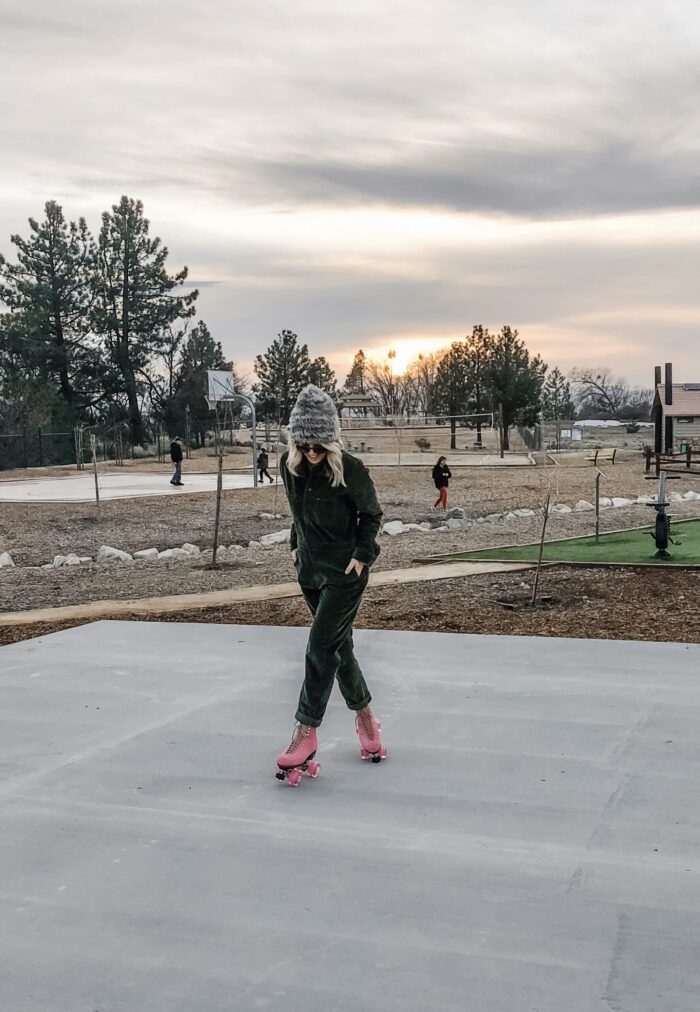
pixel 626 547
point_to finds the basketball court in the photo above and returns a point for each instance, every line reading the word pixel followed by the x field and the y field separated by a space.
pixel 531 843
pixel 126 485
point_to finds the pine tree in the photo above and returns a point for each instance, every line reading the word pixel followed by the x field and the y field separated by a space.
pixel 514 380
pixel 478 347
pixel 134 304
pixel 355 382
pixel 452 386
pixel 48 293
pixel 200 352
pixel 282 372
pixel 557 402
pixel 321 374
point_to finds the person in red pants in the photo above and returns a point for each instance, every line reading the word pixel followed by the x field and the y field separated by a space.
pixel 441 477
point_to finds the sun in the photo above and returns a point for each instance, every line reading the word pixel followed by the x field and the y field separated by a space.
pixel 402 351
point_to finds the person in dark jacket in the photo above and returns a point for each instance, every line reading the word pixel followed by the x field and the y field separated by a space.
pixel 441 477
pixel 336 518
pixel 263 463
pixel 176 457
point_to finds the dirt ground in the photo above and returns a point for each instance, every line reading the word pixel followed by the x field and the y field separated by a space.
pixel 34 532
pixel 586 603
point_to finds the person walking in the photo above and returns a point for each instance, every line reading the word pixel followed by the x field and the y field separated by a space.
pixel 441 477
pixel 336 518
pixel 176 457
pixel 263 463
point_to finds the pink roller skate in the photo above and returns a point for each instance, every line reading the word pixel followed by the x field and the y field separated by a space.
pixel 368 730
pixel 297 759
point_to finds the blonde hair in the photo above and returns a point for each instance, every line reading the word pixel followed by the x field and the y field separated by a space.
pixel 334 456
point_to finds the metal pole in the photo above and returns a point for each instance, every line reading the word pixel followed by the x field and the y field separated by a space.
pixel 41 450
pixel 251 405
pixel 219 485
pixel 501 427
pixel 597 505
pixel 93 447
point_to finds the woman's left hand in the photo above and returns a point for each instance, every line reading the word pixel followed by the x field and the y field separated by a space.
pixel 357 566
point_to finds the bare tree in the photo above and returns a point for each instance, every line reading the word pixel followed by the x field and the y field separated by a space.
pixel 599 393
pixel 420 381
pixel 387 388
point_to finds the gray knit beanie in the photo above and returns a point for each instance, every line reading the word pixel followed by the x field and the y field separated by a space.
pixel 314 418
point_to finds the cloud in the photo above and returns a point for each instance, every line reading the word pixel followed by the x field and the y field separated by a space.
pixel 364 171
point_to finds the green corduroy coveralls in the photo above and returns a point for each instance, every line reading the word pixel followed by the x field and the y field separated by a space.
pixel 330 527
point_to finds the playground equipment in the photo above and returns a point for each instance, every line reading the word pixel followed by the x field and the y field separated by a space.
pixel 662 526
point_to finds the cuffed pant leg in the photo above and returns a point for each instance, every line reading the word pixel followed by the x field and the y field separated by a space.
pixel 350 679
pixel 330 647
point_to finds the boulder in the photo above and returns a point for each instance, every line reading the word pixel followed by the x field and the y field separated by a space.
pixel 236 548
pixel 270 516
pixel 254 544
pixel 523 512
pixel 147 553
pixel 456 513
pixel 6 561
pixel 393 527
pixel 174 553
pixel 675 497
pixel 691 496
pixel 190 549
pixel 605 503
pixel 72 560
pixel 620 501
pixel 453 524
pixel 278 538
pixel 492 517
pixel 426 526
pixel 84 559
pixel 109 554
pixel 58 561
pixel 584 506
pixel 644 500
pixel 561 507
pixel 440 530
pixel 415 527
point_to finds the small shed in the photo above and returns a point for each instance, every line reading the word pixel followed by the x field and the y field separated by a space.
pixel 675 413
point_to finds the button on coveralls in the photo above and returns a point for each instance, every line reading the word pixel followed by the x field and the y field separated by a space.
pixel 330 527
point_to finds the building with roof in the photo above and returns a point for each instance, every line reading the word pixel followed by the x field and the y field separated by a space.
pixel 675 413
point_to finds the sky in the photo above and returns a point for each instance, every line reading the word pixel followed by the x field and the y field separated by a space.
pixel 381 175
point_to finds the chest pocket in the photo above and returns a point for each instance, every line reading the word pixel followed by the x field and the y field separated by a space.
pixel 331 511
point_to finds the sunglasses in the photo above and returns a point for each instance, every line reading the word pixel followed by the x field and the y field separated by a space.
pixel 308 447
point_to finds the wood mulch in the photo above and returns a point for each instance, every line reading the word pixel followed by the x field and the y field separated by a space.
pixel 658 605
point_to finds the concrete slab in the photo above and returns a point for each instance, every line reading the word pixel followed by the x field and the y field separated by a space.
pixel 128 485
pixel 530 844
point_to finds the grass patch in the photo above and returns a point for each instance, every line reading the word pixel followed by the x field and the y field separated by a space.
pixel 624 548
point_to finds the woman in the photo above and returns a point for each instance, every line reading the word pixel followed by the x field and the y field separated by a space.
pixel 336 518
pixel 441 477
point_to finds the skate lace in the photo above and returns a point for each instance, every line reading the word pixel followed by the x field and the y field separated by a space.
pixel 299 735
pixel 367 721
